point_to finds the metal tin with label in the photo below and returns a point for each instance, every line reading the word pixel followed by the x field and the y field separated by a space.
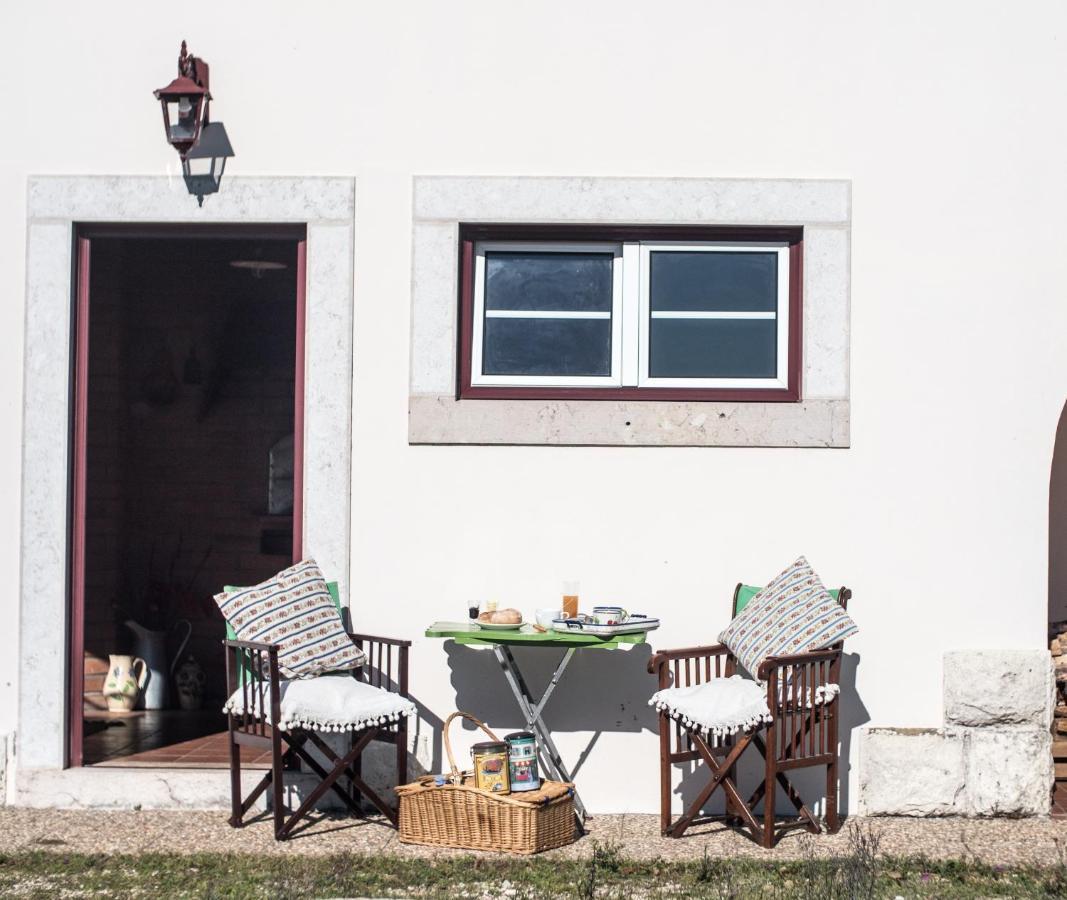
pixel 491 767
pixel 522 761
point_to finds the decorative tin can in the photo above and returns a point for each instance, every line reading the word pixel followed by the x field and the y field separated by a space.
pixel 491 767
pixel 522 761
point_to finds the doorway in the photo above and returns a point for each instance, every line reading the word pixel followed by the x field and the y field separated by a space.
pixel 188 424
pixel 1057 609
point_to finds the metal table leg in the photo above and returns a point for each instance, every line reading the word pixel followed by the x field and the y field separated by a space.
pixel 532 708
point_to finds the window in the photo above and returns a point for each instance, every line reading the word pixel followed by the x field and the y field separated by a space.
pixel 653 313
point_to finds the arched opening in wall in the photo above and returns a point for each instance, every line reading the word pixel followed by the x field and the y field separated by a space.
pixel 1057 606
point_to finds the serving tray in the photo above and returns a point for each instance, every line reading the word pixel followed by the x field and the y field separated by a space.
pixel 634 623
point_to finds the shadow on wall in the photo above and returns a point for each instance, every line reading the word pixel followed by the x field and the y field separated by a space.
pixel 608 691
pixel 601 691
pixel 810 783
pixel 1057 525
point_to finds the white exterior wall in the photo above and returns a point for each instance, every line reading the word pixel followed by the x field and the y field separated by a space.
pixel 945 119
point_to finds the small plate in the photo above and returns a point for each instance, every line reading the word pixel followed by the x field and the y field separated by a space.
pixel 500 626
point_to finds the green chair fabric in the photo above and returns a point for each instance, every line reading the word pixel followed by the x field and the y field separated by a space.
pixel 748 591
pixel 231 635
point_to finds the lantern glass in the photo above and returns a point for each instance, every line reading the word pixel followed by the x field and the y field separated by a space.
pixel 183 118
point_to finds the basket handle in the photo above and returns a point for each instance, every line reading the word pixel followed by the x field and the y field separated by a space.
pixel 448 743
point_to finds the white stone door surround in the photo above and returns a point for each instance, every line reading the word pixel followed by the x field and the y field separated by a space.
pixel 55 204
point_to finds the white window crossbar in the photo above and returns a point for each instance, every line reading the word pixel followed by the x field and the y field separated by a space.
pixel 545 314
pixel 709 314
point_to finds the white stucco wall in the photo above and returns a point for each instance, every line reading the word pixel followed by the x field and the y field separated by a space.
pixel 942 116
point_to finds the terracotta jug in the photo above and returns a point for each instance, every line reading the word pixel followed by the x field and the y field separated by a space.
pixel 123 682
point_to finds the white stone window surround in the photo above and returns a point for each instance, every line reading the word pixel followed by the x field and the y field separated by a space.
pixel 54 205
pixel 442 203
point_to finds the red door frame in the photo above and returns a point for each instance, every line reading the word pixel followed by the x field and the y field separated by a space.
pixel 79 433
pixel 298 407
pixel 78 477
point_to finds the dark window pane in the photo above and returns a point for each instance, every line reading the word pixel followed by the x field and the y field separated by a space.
pixel 547 347
pixel 713 282
pixel 548 281
pixel 713 348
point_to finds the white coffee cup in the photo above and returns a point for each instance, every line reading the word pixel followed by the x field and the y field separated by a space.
pixel 545 617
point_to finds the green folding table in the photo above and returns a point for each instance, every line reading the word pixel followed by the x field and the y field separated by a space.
pixel 532 707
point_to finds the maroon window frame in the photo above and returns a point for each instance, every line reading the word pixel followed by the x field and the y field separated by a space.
pixel 470 234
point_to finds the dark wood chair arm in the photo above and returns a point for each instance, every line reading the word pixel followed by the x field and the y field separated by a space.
pixel 662 657
pixel 371 638
pixel 796 659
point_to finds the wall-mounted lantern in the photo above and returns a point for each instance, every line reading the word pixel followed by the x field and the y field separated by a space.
pixel 202 144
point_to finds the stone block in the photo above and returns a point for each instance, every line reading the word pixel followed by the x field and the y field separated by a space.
pixel 998 688
pixel 1009 773
pixel 627 423
pixel 911 772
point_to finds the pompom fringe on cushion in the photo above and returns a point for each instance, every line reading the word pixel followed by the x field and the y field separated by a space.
pixel 315 725
pixel 330 703
pixel 726 706
pixel 722 729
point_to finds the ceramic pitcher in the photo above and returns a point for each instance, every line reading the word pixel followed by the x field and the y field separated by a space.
pixel 152 646
pixel 125 677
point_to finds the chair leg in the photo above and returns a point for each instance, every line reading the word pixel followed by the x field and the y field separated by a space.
pixel 402 752
pixel 664 774
pixel 353 789
pixel 277 765
pixel 770 785
pixel 235 779
pixel 833 821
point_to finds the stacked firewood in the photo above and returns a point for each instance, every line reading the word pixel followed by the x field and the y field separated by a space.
pixel 1057 635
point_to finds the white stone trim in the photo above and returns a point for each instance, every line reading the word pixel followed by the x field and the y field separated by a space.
pixel 55 204
pixel 823 208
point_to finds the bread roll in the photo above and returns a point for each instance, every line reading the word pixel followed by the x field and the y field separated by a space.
pixel 501 617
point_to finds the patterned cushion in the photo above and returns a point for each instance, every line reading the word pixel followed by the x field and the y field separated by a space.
pixel 792 614
pixel 295 611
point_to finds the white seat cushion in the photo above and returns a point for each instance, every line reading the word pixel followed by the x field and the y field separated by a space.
pixel 327 703
pixel 718 707
pixel 724 706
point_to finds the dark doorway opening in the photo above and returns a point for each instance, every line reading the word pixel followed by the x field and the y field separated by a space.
pixel 188 375
pixel 1057 609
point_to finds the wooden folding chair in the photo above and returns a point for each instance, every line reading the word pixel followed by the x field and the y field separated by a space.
pixel 244 660
pixel 801 734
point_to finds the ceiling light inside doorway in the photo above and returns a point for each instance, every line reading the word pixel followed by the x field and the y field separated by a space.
pixel 258 266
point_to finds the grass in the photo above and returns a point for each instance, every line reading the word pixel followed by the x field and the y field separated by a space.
pixel 861 874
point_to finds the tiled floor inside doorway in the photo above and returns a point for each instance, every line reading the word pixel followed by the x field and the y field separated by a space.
pixel 163 739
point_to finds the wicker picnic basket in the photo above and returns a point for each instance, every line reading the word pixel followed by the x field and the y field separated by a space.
pixel 457 814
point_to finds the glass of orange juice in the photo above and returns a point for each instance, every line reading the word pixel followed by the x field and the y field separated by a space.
pixel 570 599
